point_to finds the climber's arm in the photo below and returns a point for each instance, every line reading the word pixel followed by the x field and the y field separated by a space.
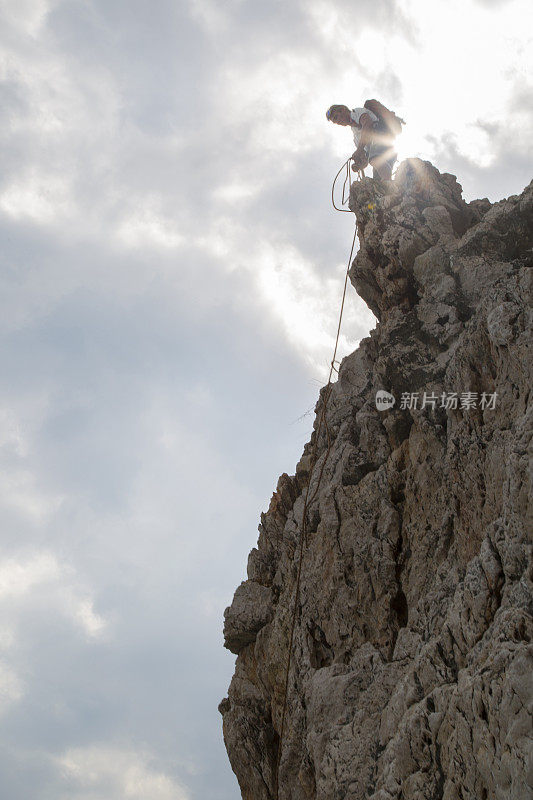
pixel 359 157
pixel 367 128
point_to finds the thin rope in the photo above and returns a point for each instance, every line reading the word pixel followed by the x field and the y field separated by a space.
pixel 309 499
pixel 346 185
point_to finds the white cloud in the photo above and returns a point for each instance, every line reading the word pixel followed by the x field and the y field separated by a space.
pixel 209 15
pixel 14 435
pixel 11 687
pixel 54 587
pixel 307 304
pixel 43 198
pixel 20 492
pixel 101 773
pixel 22 495
pixel 18 577
pixel 37 584
pixel 92 623
pixel 146 228
pixel 279 114
pixel 234 192
pixel 26 15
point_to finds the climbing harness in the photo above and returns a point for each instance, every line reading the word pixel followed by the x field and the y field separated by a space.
pixel 308 499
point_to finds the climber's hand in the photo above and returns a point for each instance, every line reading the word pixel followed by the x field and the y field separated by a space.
pixel 359 160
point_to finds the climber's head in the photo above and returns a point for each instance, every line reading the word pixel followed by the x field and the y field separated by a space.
pixel 340 115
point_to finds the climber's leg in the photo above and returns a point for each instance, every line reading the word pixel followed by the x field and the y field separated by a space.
pixel 382 161
pixel 383 172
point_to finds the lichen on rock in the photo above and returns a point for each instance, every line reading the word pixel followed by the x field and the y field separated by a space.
pixel 412 660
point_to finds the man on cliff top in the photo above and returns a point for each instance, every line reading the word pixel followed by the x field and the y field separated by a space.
pixel 373 134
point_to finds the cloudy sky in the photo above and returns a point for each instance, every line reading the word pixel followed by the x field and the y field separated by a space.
pixel 170 273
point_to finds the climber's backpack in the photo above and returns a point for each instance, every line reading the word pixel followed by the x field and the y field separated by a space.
pixel 389 122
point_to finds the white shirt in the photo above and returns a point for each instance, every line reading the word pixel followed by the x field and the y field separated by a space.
pixel 356 114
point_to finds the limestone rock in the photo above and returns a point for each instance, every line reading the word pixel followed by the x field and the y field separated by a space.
pixel 412 662
pixel 250 611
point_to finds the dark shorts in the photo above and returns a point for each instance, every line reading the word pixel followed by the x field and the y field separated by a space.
pixel 379 154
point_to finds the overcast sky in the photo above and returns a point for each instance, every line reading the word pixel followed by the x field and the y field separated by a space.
pixel 171 272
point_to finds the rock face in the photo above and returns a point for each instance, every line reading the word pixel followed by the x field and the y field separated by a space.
pixel 412 665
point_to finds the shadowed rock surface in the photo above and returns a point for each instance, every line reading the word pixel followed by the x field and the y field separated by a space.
pixel 412 670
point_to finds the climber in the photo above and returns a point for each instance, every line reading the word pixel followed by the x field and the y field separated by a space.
pixel 374 129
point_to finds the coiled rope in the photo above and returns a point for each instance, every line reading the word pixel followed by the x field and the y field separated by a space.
pixel 308 499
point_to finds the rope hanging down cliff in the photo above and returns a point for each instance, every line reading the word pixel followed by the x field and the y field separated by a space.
pixel 308 499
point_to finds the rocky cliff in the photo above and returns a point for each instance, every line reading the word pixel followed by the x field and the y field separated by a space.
pixel 412 664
